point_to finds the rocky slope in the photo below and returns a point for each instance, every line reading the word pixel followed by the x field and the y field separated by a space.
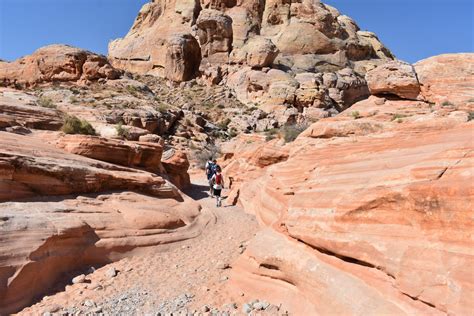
pixel 373 203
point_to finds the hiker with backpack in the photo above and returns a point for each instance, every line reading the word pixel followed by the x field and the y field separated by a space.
pixel 210 170
pixel 217 183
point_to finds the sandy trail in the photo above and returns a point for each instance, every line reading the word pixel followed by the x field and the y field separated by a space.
pixel 179 277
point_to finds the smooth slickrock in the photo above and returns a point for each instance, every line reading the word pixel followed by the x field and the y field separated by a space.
pixel 447 78
pixel 56 63
pixel 129 154
pixel 43 241
pixel 215 35
pixel 376 201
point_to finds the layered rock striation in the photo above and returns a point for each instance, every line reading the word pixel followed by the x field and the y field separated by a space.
pixel 371 212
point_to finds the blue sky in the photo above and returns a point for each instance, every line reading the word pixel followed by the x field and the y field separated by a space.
pixel 412 29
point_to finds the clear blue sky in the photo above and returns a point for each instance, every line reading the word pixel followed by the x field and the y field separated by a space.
pixel 412 29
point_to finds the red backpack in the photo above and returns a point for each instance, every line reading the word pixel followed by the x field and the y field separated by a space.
pixel 218 179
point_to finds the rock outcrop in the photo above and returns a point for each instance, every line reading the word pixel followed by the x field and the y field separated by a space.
pixel 256 48
pixel 375 203
pixel 130 154
pixel 56 63
pixel 394 78
pixel 176 164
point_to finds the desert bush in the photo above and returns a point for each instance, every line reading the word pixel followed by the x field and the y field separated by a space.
pixel 163 107
pixel 122 131
pixel 271 134
pixel 202 156
pixel 290 132
pixel 470 116
pixel 224 124
pixel 355 115
pixel 46 102
pixel 74 125
pixel 447 103
pixel 232 132
pixel 397 117
pixel 133 90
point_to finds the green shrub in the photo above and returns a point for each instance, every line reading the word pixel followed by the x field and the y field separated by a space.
pixel 290 132
pixel 73 99
pixel 232 132
pixel 224 124
pixel 46 102
pixel 74 125
pixel 271 134
pixel 447 103
pixel 121 131
pixel 163 107
pixel 398 117
pixel 133 90
pixel 470 116
pixel 355 115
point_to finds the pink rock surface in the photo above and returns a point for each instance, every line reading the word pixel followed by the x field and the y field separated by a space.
pixel 378 208
pixel 447 78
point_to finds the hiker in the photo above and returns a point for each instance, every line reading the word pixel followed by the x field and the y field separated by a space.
pixel 217 181
pixel 210 170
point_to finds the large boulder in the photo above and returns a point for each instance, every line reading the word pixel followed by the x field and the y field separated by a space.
pixel 22 109
pixel 259 52
pixel 183 57
pixel 56 63
pixel 394 78
pixel 176 165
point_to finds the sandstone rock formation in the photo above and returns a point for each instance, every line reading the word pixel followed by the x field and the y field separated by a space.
pixel 396 78
pixel 176 164
pixel 374 203
pixel 44 238
pixel 17 110
pixel 447 78
pixel 183 57
pixel 129 154
pixel 241 41
pixel 56 63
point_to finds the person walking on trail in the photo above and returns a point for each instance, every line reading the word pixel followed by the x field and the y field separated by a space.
pixel 210 170
pixel 217 181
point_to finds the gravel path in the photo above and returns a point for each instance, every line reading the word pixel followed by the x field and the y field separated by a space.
pixel 180 279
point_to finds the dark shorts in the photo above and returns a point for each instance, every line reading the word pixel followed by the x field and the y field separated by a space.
pixel 217 192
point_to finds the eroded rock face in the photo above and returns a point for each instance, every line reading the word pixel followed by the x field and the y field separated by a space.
pixel 130 154
pixel 183 57
pixel 56 63
pixel 214 30
pixel 394 78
